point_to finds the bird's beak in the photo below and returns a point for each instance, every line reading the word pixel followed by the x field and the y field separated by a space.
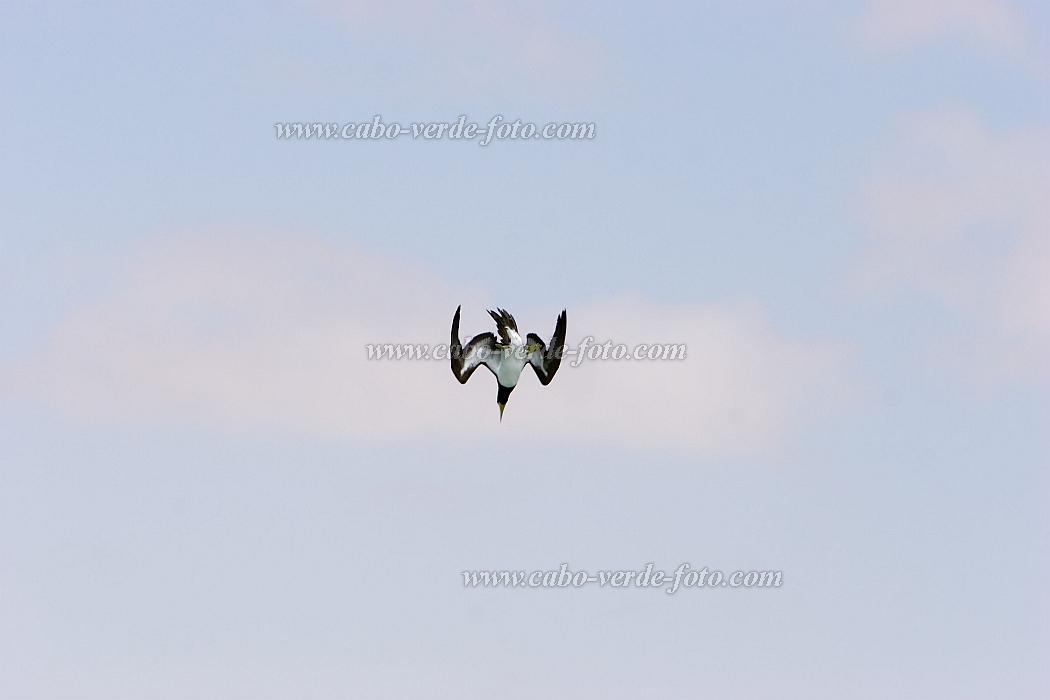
pixel 501 407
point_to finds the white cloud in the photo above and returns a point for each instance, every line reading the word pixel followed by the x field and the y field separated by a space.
pixel 960 212
pixel 269 332
pixel 472 46
pixel 904 24
pixel 742 388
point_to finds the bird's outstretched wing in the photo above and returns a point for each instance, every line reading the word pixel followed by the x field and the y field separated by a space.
pixel 546 360
pixel 481 350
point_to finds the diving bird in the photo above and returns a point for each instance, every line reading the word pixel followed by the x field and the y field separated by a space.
pixel 507 356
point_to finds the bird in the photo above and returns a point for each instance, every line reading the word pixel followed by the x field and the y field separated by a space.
pixel 507 355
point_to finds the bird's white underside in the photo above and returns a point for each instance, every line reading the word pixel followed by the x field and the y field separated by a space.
pixel 511 361
pixel 507 363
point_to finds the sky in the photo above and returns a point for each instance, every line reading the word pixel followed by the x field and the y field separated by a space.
pixel 207 490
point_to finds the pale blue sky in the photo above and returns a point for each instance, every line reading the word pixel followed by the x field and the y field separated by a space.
pixel 841 207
